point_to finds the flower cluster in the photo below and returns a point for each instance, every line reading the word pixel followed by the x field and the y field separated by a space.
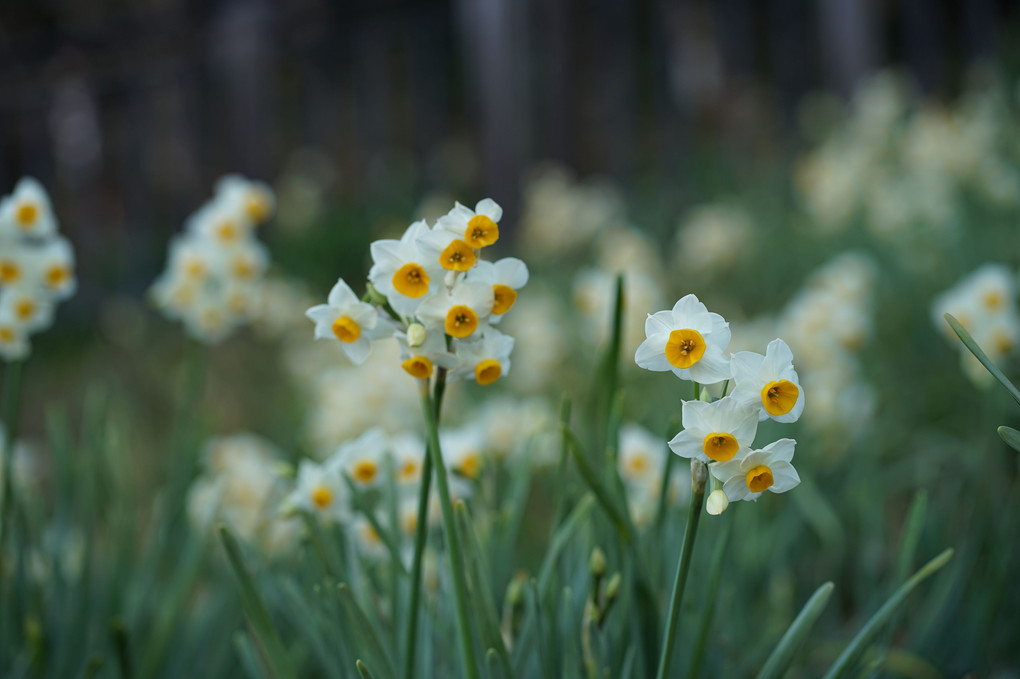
pixel 691 342
pixel 36 267
pixel 641 465
pixel 985 304
pixel 431 291
pixel 214 270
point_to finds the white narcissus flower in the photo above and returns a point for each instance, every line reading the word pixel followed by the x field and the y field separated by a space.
pixel 402 271
pixel 506 276
pixel 408 452
pixel 362 459
pixel 13 339
pixel 420 361
pixel 689 340
pixel 346 318
pixel 486 358
pixel 444 248
pixel 27 211
pixel 252 198
pixel 219 223
pixel 641 457
pixel 369 543
pixel 769 383
pixel 55 262
pixel 460 310
pixel 715 432
pixel 478 228
pixel 28 307
pixel 769 469
pixel 462 450
pixel 319 490
pixel 14 260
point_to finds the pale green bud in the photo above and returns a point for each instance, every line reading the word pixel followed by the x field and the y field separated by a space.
pixel 597 563
pixel 416 335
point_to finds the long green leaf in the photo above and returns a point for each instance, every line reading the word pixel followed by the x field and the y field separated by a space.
pixel 361 628
pixel 601 492
pixel 562 537
pixel 980 355
pixel 1011 436
pixel 362 670
pixel 781 657
pixel 845 662
pixel 255 607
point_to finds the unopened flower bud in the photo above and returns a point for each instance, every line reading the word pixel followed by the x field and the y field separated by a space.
pixel 717 502
pixel 597 563
pixel 613 587
pixel 373 296
pixel 416 335
pixel 699 476
pixel 705 396
pixel 515 590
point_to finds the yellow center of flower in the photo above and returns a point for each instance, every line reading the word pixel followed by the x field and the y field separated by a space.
pixel 1002 342
pixel 24 309
pixel 720 447
pixel 10 272
pixel 488 371
pixel 411 280
pixel 470 465
pixel 759 478
pixel 637 464
pixel 194 269
pixel 365 470
pixel 418 366
pixel 458 256
pixel 461 321
pixel 257 206
pixel 346 330
pixel 481 231
pixel 227 231
pixel 6 335
pixel 369 534
pixel 410 523
pixel 238 303
pixel 992 299
pixel 407 471
pixel 243 268
pixel 503 298
pixel 183 296
pixel 26 214
pixel 684 348
pixel 322 497
pixel 779 397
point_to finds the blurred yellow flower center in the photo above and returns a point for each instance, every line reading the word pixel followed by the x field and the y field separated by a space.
pixel 346 330
pixel 637 464
pixel 759 478
pixel 461 321
pixel 684 348
pixel 503 298
pixel 410 523
pixel 243 268
pixel 24 309
pixel 779 397
pixel 470 465
pixel 194 269
pixel 322 497
pixel 458 256
pixel 227 231
pixel 407 471
pixel 993 299
pixel 481 231
pixel 257 206
pixel 1002 342
pixel 418 366
pixel 369 534
pixel 6 335
pixel 10 272
pixel 365 470
pixel 26 214
pixel 488 371
pixel 411 280
pixel 720 447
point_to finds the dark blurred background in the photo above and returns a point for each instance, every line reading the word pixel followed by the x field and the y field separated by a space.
pixel 128 111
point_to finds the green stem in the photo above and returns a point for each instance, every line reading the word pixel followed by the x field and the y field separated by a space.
pixel 453 540
pixel 420 538
pixel 715 575
pixel 11 406
pixel 681 580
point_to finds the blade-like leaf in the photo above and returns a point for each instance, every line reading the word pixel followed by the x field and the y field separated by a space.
pixel 779 661
pixel 980 355
pixel 1011 436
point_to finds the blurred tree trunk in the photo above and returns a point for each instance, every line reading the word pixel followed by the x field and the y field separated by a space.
pixel 850 37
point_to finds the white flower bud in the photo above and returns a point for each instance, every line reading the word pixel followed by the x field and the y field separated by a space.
pixel 699 476
pixel 416 335
pixel 717 502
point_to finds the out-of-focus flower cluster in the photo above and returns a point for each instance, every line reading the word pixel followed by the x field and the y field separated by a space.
pixel 212 282
pixel 691 342
pixel 985 304
pixel 902 169
pixel 36 267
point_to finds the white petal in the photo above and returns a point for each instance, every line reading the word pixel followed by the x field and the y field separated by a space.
pixel 744 365
pixel 781 450
pixel 686 445
pixel 358 350
pixel 489 208
pixel 341 294
pixel 651 354
pixel 512 272
pixel 777 357
pixel 322 313
pixel 784 477
pixel 693 417
pixel 712 368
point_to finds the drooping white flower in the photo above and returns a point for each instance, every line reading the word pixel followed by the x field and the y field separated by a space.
pixel 485 358
pixel 403 272
pixel 478 228
pixel 346 318
pixel 769 469
pixel 420 361
pixel 769 383
pixel 506 276
pixel 715 432
pixel 688 340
